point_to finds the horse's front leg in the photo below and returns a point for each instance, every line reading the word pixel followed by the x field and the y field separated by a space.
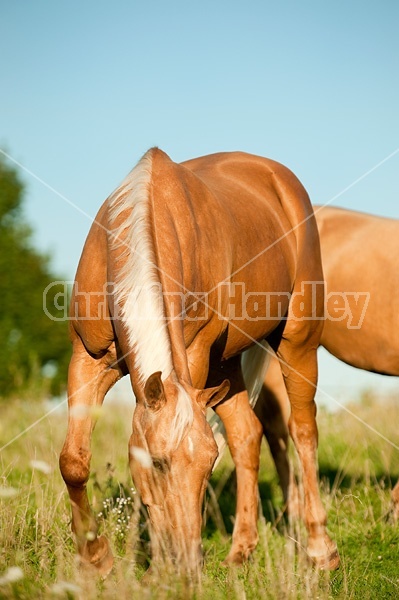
pixel 244 435
pixel 89 379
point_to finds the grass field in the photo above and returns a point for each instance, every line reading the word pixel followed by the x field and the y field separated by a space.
pixel 37 557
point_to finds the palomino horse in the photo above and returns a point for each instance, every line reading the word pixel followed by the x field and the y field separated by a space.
pixel 358 255
pixel 158 296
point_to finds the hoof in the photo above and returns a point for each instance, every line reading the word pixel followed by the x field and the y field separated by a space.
pixel 394 512
pixel 236 558
pixel 323 552
pixel 149 576
pixel 97 556
pixel 326 563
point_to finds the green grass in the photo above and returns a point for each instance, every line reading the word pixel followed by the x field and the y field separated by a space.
pixel 357 470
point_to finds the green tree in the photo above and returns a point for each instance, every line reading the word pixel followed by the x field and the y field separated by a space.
pixel 32 346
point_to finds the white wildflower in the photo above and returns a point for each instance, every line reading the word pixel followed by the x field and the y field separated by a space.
pixel 40 465
pixel 12 575
pixel 8 492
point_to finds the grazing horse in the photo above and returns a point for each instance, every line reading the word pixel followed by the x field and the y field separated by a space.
pixel 178 265
pixel 358 256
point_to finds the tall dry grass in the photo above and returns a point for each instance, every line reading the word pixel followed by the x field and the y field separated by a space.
pixel 37 553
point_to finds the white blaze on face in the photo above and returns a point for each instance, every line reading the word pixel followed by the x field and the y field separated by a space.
pixel 142 456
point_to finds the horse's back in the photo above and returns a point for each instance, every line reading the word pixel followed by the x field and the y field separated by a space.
pixel 360 254
pixel 266 216
pixel 265 201
pixel 236 217
pixel 232 175
pixel 345 230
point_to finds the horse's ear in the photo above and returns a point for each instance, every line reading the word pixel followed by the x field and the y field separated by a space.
pixel 154 391
pixel 212 396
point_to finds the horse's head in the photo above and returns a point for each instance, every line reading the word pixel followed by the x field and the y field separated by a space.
pixel 172 452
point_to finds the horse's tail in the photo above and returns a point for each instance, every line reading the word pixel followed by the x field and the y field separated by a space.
pixel 254 363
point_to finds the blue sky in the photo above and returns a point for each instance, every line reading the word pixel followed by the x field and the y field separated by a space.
pixel 88 87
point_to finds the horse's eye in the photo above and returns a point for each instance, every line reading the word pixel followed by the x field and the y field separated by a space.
pixel 160 464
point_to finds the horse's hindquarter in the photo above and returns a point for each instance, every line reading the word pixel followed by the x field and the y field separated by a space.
pixel 236 218
pixel 89 310
pixel 360 256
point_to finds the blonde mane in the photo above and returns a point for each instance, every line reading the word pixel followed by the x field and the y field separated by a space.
pixel 137 289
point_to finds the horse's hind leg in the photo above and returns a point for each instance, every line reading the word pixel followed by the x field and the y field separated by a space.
pixel 299 366
pixel 271 410
pixel 89 379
